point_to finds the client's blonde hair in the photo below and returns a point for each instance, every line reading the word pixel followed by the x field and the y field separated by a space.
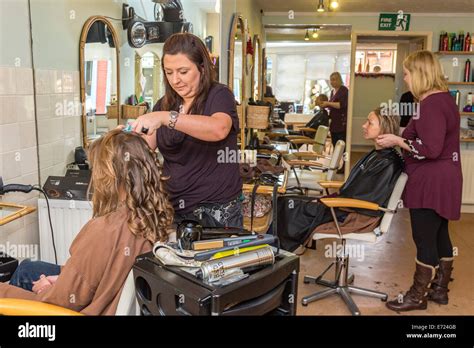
pixel 123 162
pixel 388 120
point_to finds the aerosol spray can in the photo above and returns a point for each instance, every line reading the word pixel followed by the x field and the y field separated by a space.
pixel 457 97
pixel 216 269
pixel 467 71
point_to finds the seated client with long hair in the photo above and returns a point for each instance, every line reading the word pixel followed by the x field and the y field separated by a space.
pixel 131 211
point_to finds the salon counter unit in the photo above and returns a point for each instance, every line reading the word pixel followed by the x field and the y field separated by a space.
pixel 170 290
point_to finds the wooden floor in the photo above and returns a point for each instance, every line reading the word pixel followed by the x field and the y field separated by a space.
pixel 388 266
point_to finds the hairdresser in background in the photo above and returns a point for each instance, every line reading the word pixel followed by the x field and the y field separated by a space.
pixel 337 106
pixel 431 149
pixel 192 126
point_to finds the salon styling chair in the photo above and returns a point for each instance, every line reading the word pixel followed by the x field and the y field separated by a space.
pixel 127 305
pixel 342 284
pixel 307 169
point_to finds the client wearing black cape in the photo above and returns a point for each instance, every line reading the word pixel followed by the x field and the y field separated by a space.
pixel 372 179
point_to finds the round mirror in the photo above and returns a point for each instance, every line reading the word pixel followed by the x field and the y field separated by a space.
pixel 99 52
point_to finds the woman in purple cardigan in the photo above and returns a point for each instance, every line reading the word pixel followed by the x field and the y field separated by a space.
pixel 431 149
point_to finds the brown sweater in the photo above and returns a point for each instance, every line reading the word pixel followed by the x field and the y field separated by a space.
pixel 92 279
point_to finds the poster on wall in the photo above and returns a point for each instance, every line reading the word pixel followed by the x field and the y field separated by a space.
pixel 394 21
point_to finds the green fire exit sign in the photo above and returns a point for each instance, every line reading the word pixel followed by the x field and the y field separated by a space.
pixel 394 21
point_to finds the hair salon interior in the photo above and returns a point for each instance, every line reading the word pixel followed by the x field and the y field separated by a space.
pixel 236 157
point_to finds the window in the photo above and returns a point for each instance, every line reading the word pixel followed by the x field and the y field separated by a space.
pixel 382 60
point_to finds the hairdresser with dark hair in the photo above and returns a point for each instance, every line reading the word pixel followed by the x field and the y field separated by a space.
pixel 192 126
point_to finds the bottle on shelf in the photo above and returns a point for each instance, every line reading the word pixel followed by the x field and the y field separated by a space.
pixel 367 67
pixel 445 42
pixel 468 106
pixel 441 40
pixel 359 67
pixel 467 42
pixel 460 41
pixel 467 71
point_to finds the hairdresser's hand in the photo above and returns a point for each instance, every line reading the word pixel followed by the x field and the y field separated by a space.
pixel 149 123
pixel 388 140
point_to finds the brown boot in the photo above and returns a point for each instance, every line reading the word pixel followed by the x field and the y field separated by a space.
pixel 416 297
pixel 439 286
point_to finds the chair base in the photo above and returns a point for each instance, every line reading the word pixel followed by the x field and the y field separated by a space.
pixel 341 286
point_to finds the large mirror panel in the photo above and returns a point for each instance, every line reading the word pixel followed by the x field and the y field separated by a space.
pixel 257 69
pixel 100 78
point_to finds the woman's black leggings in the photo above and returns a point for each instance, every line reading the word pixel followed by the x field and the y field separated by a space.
pixel 431 236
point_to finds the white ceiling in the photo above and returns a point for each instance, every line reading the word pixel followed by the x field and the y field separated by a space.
pixel 409 6
pixel 297 32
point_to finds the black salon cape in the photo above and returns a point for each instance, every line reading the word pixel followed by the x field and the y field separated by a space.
pixel 320 118
pixel 372 179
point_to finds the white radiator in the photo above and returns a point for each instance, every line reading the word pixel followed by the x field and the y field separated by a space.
pixel 467 163
pixel 68 217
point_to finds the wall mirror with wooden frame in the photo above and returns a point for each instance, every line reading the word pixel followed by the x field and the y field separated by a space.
pixel 236 80
pixel 147 77
pixel 99 78
pixel 257 69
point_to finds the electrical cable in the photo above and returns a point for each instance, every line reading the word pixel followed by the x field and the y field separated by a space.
pixel 37 188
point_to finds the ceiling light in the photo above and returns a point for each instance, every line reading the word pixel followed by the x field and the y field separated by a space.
pixel 321 6
pixel 334 4
pixel 306 37
pixel 315 34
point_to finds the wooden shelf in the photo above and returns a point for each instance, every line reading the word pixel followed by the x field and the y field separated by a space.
pixel 455 53
pixel 466 113
pixel 461 83
pixel 467 140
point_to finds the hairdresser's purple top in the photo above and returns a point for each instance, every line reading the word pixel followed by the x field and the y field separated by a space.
pixel 434 164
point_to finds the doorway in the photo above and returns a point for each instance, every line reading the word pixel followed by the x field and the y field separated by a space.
pixel 377 77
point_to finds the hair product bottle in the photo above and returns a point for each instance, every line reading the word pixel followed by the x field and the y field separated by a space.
pixel 445 42
pixel 467 71
pixel 467 42
pixel 460 41
pixel 441 39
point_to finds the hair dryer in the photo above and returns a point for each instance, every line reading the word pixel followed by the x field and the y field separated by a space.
pixel 14 188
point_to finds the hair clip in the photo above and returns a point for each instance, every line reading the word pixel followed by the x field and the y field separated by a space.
pixel 128 128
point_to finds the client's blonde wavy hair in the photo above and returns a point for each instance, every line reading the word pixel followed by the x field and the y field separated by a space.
pixel 123 162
